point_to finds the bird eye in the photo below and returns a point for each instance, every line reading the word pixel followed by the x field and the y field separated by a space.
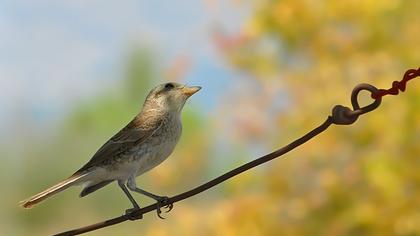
pixel 169 86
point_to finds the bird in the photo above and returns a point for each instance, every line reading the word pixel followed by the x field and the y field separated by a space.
pixel 145 142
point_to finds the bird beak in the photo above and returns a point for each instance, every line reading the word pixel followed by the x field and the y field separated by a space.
pixel 188 91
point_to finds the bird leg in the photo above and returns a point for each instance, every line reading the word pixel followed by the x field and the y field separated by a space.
pixel 130 212
pixel 161 201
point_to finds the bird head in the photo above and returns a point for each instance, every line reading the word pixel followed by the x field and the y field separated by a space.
pixel 169 97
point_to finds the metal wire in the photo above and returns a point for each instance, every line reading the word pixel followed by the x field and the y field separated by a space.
pixel 341 115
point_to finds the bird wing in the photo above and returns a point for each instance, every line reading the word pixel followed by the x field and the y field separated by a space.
pixel 134 133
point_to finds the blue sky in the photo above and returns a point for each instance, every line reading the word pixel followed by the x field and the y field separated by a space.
pixel 56 53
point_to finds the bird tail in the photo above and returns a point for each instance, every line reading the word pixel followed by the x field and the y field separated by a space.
pixel 29 203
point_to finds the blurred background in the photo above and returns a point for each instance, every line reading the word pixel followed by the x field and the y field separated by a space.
pixel 72 73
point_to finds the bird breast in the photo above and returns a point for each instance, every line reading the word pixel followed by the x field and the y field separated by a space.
pixel 159 146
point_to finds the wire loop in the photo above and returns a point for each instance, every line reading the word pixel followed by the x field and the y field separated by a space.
pixel 357 111
pixel 342 115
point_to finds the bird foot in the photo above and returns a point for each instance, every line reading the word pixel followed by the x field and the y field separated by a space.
pixel 163 202
pixel 133 214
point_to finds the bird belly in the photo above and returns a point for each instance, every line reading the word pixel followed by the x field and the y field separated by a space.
pixel 153 158
pixel 120 171
pixel 135 164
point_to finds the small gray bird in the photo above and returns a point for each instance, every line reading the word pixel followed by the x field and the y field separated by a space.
pixel 140 146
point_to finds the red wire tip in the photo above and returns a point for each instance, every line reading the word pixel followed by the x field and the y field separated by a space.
pixel 398 85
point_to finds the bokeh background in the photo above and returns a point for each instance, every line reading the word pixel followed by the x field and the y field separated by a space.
pixel 72 73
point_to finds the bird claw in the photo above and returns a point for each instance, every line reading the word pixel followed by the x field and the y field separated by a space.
pixel 132 214
pixel 163 202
